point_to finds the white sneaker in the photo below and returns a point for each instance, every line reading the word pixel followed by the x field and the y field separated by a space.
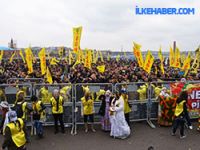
pixel 182 137
pixel 190 127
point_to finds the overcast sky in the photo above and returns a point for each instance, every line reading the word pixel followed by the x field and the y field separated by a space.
pixel 107 24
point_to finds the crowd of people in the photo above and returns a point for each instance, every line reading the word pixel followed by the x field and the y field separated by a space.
pixel 114 110
pixel 124 70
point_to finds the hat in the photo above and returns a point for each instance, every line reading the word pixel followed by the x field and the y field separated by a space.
pixel 4 104
pixel 183 80
pixel 123 90
pixel 108 92
pixel 12 116
pixel 164 88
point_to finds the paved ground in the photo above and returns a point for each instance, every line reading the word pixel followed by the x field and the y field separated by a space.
pixel 142 137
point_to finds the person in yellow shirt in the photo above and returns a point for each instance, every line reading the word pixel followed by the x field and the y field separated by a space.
pixel 142 91
pixel 57 103
pixel 181 114
pixel 88 111
pixel 14 133
pixel 38 115
pixel 21 106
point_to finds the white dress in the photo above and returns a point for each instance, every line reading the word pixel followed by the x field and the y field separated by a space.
pixel 119 126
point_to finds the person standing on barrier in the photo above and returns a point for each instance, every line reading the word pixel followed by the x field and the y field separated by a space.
pixel 38 115
pixel 104 110
pixel 88 111
pixel 15 135
pixel 57 103
pixel 180 114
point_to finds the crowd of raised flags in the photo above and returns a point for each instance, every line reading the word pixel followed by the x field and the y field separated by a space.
pixel 89 57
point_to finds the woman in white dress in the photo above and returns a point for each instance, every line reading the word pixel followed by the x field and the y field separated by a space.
pixel 119 126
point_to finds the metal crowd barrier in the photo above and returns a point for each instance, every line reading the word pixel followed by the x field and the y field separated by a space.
pixel 44 92
pixel 25 80
pixel 9 91
pixel 138 99
pixel 96 89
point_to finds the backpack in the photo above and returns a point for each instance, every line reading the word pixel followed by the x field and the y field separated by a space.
pixel 19 110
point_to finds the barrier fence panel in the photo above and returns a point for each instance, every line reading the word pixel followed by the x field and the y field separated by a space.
pixel 96 89
pixel 25 80
pixel 44 92
pixel 137 98
pixel 9 91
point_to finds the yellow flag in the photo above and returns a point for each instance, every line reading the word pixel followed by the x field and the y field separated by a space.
pixel 148 62
pixel 54 61
pixel 12 56
pixel 97 56
pixel 138 54
pixel 70 58
pixel 42 56
pixel 1 55
pixel 22 56
pixel 76 38
pixel 177 57
pixel 171 57
pixel 29 59
pixel 186 64
pixel 101 56
pixel 160 56
pixel 118 57
pixel 183 57
pixel 195 64
pixel 48 76
pixel 108 56
pixel 88 59
pixel 101 68
pixel 61 52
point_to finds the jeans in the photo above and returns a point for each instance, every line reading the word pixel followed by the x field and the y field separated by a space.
pixel 39 127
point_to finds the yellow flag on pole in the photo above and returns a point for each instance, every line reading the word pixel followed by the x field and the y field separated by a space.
pixel 76 38
pixel 148 62
pixel 88 59
pixel 177 57
pixel 61 52
pixel 118 57
pixel 101 56
pixel 42 56
pixel 48 76
pixel 160 56
pixel 108 56
pixel 101 68
pixel 195 64
pixel 186 64
pixel 138 54
pixel 70 58
pixel 1 55
pixel 171 57
pixel 54 61
pixel 12 56
pixel 29 59
pixel 22 56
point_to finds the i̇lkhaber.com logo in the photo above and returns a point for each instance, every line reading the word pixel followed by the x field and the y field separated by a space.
pixel 164 11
